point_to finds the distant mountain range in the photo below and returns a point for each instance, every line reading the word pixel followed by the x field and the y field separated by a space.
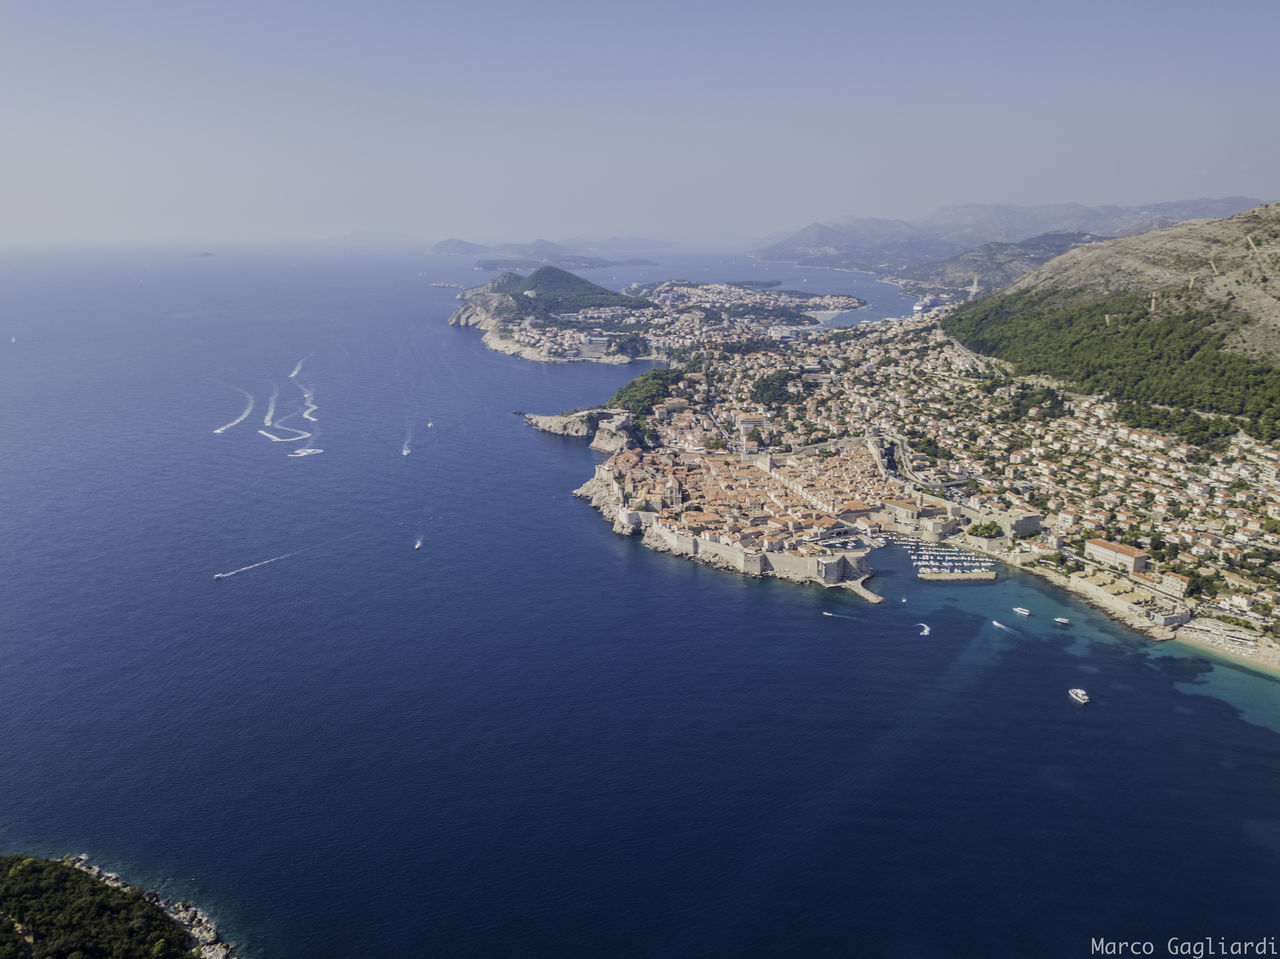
pixel 899 248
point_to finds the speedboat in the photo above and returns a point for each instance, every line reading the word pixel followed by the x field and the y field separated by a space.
pixel 1063 620
pixel 1022 611
pixel 1079 695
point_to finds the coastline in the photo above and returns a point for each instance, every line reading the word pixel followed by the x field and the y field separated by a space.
pixel 1264 660
pixel 197 924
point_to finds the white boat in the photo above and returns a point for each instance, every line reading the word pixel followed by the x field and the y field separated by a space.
pixel 1022 611
pixel 1079 695
pixel 996 622
pixel 1063 620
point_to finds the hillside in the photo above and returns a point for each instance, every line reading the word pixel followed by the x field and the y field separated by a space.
pixel 991 266
pixel 553 290
pixel 867 245
pixel 1185 317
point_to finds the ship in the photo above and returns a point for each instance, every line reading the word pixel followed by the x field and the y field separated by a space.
pixel 1063 620
pixel 1022 611
pixel 1079 695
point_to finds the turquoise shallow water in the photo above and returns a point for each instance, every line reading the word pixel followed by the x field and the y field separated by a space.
pixel 530 736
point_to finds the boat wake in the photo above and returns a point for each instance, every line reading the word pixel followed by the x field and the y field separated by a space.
pixel 243 416
pixel 271 405
pixel 273 559
pixel 836 615
pixel 924 629
pixel 275 429
pixel 999 625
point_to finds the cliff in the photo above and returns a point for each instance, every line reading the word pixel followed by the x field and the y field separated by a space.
pixel 610 430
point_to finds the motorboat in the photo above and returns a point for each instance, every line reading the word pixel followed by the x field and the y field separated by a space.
pixel 1079 695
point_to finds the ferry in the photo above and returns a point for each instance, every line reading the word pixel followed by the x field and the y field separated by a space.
pixel 1079 695
pixel 1063 620
pixel 1022 611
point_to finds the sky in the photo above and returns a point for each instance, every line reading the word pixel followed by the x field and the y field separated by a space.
pixel 697 121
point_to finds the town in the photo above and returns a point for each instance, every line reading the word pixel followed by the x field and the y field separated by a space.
pixel 778 449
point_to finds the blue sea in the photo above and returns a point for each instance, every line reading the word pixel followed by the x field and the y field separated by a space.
pixel 529 736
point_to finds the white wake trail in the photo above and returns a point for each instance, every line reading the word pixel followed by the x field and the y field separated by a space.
pixel 271 406
pixel 243 416
pixel 308 402
pixel 297 434
pixel 273 559
pixel 298 369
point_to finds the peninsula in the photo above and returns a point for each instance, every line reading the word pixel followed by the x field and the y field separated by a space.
pixel 554 316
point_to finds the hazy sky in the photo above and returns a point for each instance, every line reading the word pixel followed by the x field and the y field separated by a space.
pixel 494 121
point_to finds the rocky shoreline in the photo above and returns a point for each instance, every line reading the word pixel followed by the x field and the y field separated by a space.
pixel 204 935
pixel 610 430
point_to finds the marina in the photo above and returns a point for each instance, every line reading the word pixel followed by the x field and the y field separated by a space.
pixel 938 562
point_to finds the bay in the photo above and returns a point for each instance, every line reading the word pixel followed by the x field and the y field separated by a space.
pixel 530 736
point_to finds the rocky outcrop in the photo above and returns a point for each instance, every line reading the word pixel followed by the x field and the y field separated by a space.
pixel 204 936
pixel 480 310
pixel 610 430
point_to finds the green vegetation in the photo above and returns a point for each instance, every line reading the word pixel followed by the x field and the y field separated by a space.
pixel 68 914
pixel 640 395
pixel 551 290
pixel 986 530
pixel 632 344
pixel 771 389
pixel 756 344
pixel 1117 346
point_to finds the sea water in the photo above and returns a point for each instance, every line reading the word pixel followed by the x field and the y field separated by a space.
pixel 434 706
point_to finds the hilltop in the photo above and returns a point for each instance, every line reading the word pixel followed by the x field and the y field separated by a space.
pixel 1185 317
